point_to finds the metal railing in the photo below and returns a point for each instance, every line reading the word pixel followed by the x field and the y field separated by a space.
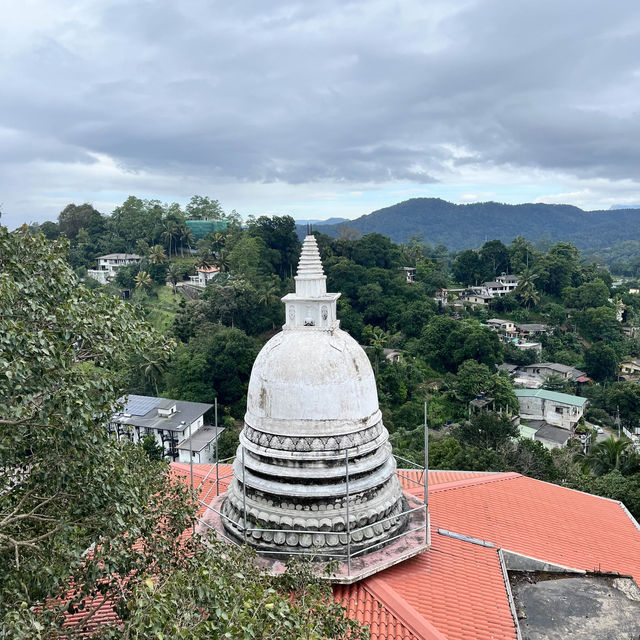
pixel 245 530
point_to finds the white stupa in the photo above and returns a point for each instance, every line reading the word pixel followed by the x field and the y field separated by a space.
pixel 312 403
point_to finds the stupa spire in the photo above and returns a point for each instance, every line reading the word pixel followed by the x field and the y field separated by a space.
pixel 310 305
pixel 310 279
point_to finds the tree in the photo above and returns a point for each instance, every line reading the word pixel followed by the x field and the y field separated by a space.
pixel 601 362
pixel 496 256
pixel 487 430
pixel 170 234
pixel 526 290
pixel 279 235
pixel 65 484
pixel 157 254
pixel 186 238
pixel 143 281
pixel 611 455
pixel 151 447
pixel 204 208
pixel 472 378
pixel 469 268
pixel 174 273
pixel 75 217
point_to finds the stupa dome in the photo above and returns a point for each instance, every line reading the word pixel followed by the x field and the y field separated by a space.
pixel 314 467
pixel 311 379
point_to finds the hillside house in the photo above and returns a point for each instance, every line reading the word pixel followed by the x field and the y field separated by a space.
pixel 476 296
pixel 108 266
pixel 531 330
pixel 630 369
pixel 545 369
pixel 501 325
pixel 558 409
pixel 203 275
pixel 171 423
pixel 550 436
pixel 410 273
pixel 509 281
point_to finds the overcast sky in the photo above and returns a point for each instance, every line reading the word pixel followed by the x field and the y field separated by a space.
pixel 317 109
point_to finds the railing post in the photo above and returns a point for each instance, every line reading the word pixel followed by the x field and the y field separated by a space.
pixel 244 499
pixel 215 424
pixel 426 476
pixel 193 495
pixel 346 465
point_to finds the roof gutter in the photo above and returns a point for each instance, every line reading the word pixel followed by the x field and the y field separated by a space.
pixel 507 586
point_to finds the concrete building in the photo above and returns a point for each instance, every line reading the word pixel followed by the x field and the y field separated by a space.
pixel 314 467
pixel 171 423
pixel 630 369
pixel 558 409
pixel 497 324
pixel 203 275
pixel 532 329
pixel 108 265
pixel 545 369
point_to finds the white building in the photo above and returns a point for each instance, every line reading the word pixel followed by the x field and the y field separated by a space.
pixel 558 409
pixel 178 426
pixel 108 266
pixel 204 275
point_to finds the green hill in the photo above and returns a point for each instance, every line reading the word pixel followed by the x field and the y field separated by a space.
pixel 468 226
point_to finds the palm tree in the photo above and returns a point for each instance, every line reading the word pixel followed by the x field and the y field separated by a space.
pixel 157 254
pixel 171 232
pixel 186 238
pixel 205 258
pixel 142 248
pixel 378 340
pixel 526 290
pixel 143 280
pixel 174 273
pixel 217 240
pixel 609 455
pixel 269 293
pixel 221 261
pixel 153 369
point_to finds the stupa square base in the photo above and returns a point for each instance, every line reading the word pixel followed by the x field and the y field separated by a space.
pixel 411 542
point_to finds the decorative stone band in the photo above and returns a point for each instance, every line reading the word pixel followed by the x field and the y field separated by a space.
pixel 315 489
pixel 323 444
pixel 317 470
pixel 373 518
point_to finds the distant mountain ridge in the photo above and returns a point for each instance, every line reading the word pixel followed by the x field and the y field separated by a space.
pixel 468 226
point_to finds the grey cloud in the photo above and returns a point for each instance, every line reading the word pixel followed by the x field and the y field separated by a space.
pixel 360 91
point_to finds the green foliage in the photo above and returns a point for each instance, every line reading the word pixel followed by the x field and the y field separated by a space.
pixel 65 483
pixel 215 363
pixel 487 430
pixel 611 455
pixel 152 448
pixel 601 362
pixel 589 294
pixel 446 343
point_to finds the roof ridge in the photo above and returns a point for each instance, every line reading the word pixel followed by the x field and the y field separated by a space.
pixel 401 609
pixel 472 482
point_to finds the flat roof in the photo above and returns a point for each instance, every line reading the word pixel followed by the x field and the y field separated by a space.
pixel 142 411
pixel 553 434
pixel 554 396
pixel 120 256
pixel 200 439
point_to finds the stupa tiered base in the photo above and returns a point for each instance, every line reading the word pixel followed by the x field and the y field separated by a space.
pixel 411 541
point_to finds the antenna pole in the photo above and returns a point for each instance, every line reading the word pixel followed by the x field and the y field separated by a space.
pixel 215 424
pixel 426 476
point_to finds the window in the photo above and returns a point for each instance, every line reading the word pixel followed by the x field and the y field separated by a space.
pixel 559 410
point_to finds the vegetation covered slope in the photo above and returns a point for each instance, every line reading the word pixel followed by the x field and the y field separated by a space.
pixel 468 226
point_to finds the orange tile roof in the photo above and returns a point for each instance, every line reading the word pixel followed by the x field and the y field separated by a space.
pixel 456 589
